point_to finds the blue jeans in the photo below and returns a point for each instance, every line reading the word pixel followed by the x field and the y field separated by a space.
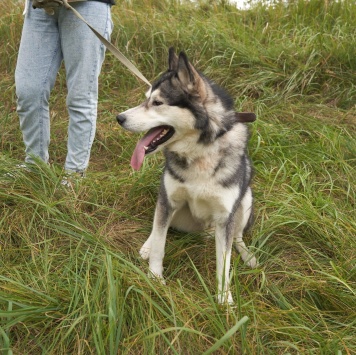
pixel 47 41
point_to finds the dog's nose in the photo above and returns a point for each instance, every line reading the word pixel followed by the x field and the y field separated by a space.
pixel 121 118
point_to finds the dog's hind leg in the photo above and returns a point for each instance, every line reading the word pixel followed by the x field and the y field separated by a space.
pixel 184 221
pixel 242 219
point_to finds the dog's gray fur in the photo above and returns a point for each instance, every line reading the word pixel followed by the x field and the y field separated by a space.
pixel 207 173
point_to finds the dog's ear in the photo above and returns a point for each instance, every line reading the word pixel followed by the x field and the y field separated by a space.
pixel 172 60
pixel 184 71
pixel 190 79
pixel 245 117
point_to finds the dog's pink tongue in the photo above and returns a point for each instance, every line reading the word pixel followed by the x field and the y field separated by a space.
pixel 139 153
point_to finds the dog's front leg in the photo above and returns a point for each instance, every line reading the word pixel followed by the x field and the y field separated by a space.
pixel 223 241
pixel 153 249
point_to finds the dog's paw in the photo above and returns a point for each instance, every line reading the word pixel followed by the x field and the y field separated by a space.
pixel 145 251
pixel 252 262
pixel 226 299
pixel 157 277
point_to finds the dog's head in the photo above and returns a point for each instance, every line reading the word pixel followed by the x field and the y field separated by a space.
pixel 164 114
pixel 176 106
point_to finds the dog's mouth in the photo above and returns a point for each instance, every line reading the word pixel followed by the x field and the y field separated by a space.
pixel 149 143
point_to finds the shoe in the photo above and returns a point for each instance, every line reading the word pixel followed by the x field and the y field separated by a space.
pixel 72 178
pixel 18 168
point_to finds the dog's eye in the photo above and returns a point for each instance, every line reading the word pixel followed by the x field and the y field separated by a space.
pixel 157 103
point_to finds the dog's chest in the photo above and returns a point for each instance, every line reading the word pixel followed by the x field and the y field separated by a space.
pixel 207 200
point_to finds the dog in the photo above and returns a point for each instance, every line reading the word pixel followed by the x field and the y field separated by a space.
pixel 207 173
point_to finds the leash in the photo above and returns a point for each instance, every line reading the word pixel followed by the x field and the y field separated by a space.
pixel 109 45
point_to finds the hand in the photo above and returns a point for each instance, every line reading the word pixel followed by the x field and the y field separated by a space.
pixel 47 5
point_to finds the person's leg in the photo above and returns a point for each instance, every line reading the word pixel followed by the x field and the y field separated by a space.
pixel 83 56
pixel 38 62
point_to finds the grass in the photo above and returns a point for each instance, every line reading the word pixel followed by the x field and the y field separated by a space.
pixel 71 280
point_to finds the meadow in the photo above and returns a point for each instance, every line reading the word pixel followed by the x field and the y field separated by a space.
pixel 71 280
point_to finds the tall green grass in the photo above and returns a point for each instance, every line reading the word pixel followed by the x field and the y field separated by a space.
pixel 71 280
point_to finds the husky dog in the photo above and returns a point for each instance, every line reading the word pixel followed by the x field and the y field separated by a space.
pixel 207 172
